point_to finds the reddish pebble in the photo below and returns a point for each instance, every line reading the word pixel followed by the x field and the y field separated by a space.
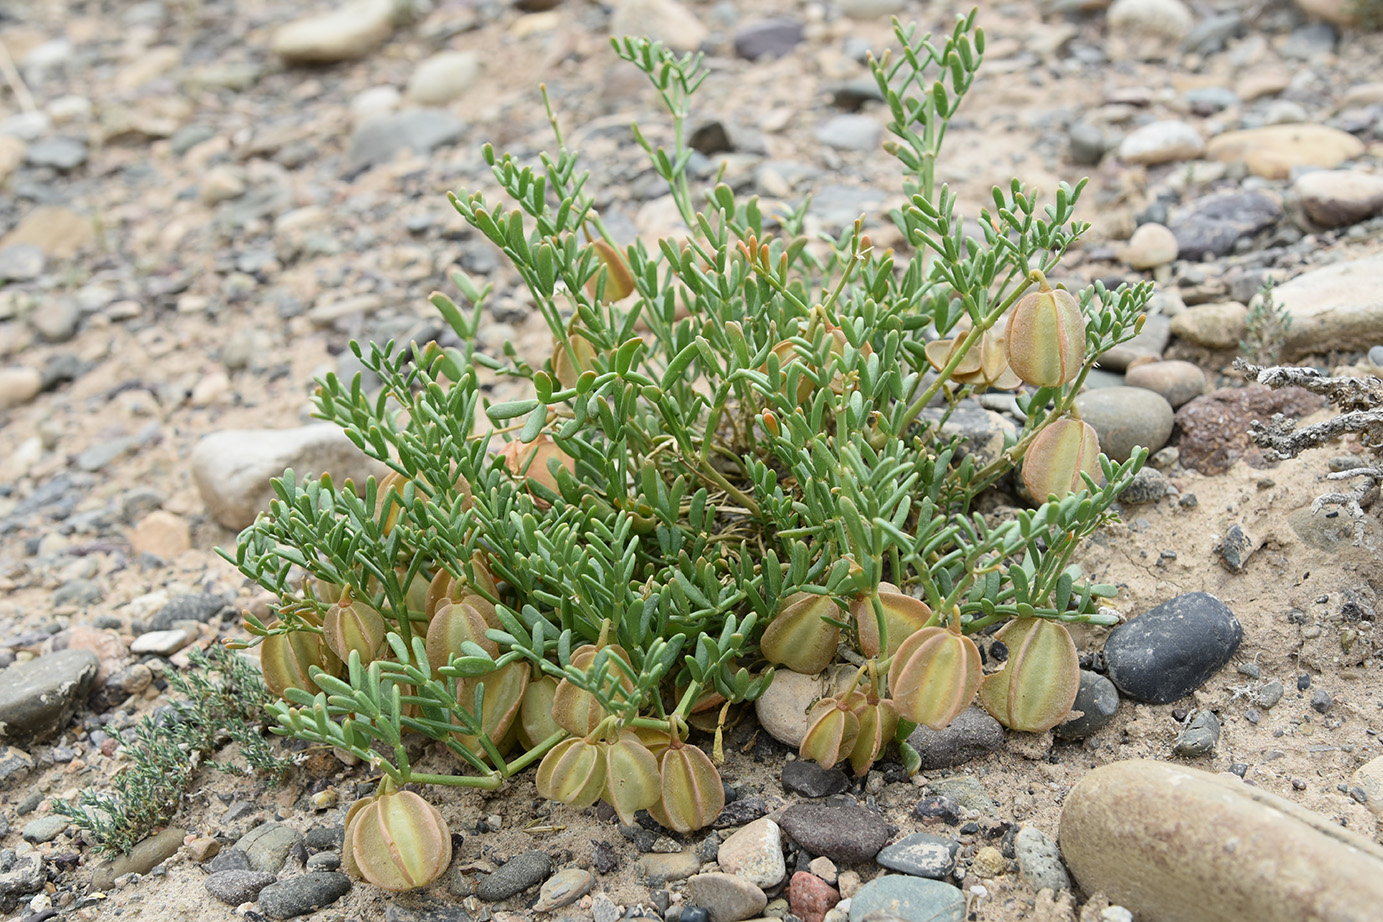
pixel 810 897
pixel 108 746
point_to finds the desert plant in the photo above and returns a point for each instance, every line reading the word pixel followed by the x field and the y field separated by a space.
pixel 733 458
pixel 1265 327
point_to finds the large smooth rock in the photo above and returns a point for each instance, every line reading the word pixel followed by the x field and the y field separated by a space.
pixel 1333 198
pixel 1172 649
pixel 1214 224
pixel 1271 152
pixel 725 897
pixel 755 852
pixel 39 697
pixel 233 467
pixel 1335 307
pixel 843 833
pixel 346 33
pixel 1126 417
pixel 971 735
pixel 1175 844
pixel 1161 142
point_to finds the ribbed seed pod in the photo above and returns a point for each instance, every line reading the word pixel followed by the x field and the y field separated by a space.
pixel 504 691
pixel 1054 461
pixel 832 729
pixel 692 794
pixel 444 588
pixel 619 281
pixel 351 625
pixel 632 782
pixel 285 659
pixel 798 638
pixel 1037 686
pixel 454 624
pixel 535 713
pixel 576 710
pixel 878 721
pixel 531 461
pixel 934 676
pixel 567 369
pixel 903 614
pixel 572 772
pixel 396 841
pixel 1046 337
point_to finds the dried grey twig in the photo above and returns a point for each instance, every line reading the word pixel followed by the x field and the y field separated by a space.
pixel 1360 401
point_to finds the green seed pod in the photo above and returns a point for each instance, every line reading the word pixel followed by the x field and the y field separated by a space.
pixel 396 841
pixel 934 676
pixel 691 792
pixel 903 614
pixel 798 638
pixel 572 772
pixel 832 730
pixel 535 713
pixel 1046 337
pixel 878 721
pixel 351 625
pixel 504 691
pixel 454 624
pixel 632 782
pixel 1054 461
pixel 285 659
pixel 619 281
pixel 576 710
pixel 1038 684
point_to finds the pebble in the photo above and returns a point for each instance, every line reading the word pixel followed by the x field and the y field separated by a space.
pixel 989 861
pixel 908 898
pixel 59 232
pixel 1149 343
pixel 1039 860
pixel 564 888
pixel 298 896
pixel 1369 779
pixel 782 708
pixel 665 21
pixel 376 140
pixel 811 780
pixel 767 38
pixel 810 897
pixel 443 77
pixel 346 33
pixel 1234 549
pixel 848 834
pixel 1335 198
pixel 21 262
pixel 1212 847
pixel 1321 702
pixel 1214 224
pixel 1273 151
pixel 45 828
pixel 1334 307
pixel 233 467
pixel 19 385
pixel 1214 428
pixel 971 735
pixel 966 791
pixel 1172 649
pixel 191 606
pixel 1126 417
pixel 1151 245
pixel 39 697
pixel 871 9
pixel 221 184
pixel 1148 486
pixel 1178 382
pixel 1087 144
pixel 921 855
pixel 1097 700
pixel 143 858
pixel 851 132
pixel 656 870
pixel 236 887
pixel 162 643
pixel 515 876
pixel 755 852
pixel 1200 736
pixel 1167 141
pixel 268 845
pixel 1165 20
pixel 58 321
pixel 162 534
pixel 61 154
pixel 25 875
pixel 725 897
pixel 739 812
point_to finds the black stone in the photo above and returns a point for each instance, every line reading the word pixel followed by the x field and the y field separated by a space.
pixel 938 807
pixel 230 860
pixel 921 855
pixel 421 910
pixel 1234 549
pixel 236 887
pixel 740 812
pixel 1303 681
pixel 767 38
pixel 1097 700
pixel 972 734
pixel 1321 701
pixel 305 893
pixel 811 780
pixel 1200 737
pixel 850 834
pixel 515 876
pixel 1172 649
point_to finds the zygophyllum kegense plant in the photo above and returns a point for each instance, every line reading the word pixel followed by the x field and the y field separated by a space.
pixel 732 461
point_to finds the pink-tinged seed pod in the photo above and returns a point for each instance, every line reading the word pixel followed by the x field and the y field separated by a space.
pixel 530 461
pixel 903 614
pixel 578 711
pixel 396 841
pixel 619 281
pixel 1056 458
pixel 878 720
pixel 351 625
pixel 454 624
pixel 798 638
pixel 504 691
pixel 535 713
pixel 1037 686
pixel 692 794
pixel 1046 337
pixel 934 676
pixel 285 659
pixel 632 782
pixel 572 772
pixel 832 730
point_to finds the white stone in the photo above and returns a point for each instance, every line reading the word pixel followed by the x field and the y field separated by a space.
pixel 755 853
pixel 1334 198
pixel 1161 142
pixel 19 385
pixel 1165 20
pixel 232 468
pixel 1152 245
pixel 347 33
pixel 1336 307
pixel 375 102
pixel 665 21
pixel 161 643
pixel 443 77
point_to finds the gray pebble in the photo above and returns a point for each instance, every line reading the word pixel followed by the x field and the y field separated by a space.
pixel 305 893
pixel 268 844
pixel 1268 695
pixel 1097 700
pixel 851 132
pixel 1234 549
pixel 921 855
pixel 1126 417
pixel 62 154
pixel 193 606
pixel 1039 861
pixel 972 734
pixel 39 697
pixel 1321 701
pixel 324 861
pixel 21 262
pixel 45 828
pixel 1200 736
pixel 236 887
pixel 1148 486
pixel 515 876
pixel 229 860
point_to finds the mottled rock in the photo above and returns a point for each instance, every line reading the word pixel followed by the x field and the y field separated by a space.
pixel 1213 224
pixel 844 833
pixel 191 606
pixel 971 735
pixel 267 846
pixel 755 853
pixel 1273 151
pixel 236 887
pixel 1126 417
pixel 810 897
pixel 1172 649
pixel 1199 737
pixel 515 876
pixel 1214 427
pixel 1170 842
pixel 921 855
pixel 564 888
pixel 656 870
pixel 1039 861
pixel 811 780
pixel 911 899
pixel 39 697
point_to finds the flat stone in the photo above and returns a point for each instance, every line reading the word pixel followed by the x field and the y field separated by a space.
pixel 59 232
pixel 811 780
pixel 1097 700
pixel 61 154
pixel 236 887
pixel 267 846
pixel 515 876
pixel 1335 307
pixel 143 858
pixel 1170 842
pixel 966 791
pixel 232 468
pixel 767 38
pixel 39 697
pixel 1216 325
pixel 297 896
pixel 347 33
pixel 908 898
pixel 1178 382
pixel 1273 151
pixel 725 897
pixel 1214 224
pixel 921 855
pixel 1335 198
pixel 191 606
pixel 26 876
pixel 755 852
pixel 45 828
pixel 844 833
pixel 1039 861
pixel 851 132
pixel 376 140
pixel 971 735
pixel 656 870
pixel 1126 417
pixel 162 643
pixel 1171 650
pixel 1161 142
